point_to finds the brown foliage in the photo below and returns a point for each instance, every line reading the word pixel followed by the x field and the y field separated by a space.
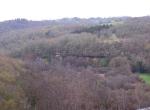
pixel 71 88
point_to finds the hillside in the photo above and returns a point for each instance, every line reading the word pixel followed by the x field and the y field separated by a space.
pixel 75 64
pixel 11 94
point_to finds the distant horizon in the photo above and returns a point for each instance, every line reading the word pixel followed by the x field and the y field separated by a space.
pixel 72 18
pixel 38 10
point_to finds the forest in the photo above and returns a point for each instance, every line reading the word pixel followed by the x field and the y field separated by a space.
pixel 75 64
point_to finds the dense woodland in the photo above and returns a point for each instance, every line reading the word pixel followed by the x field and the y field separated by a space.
pixel 75 64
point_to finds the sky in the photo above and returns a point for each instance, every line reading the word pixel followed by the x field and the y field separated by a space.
pixel 56 9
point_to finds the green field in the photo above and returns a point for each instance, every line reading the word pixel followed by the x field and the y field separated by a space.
pixel 145 77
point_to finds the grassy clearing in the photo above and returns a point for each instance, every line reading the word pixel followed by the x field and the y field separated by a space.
pixel 146 77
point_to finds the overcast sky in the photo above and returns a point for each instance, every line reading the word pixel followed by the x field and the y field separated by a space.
pixel 55 9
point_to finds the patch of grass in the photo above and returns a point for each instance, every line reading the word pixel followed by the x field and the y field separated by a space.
pixel 145 77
